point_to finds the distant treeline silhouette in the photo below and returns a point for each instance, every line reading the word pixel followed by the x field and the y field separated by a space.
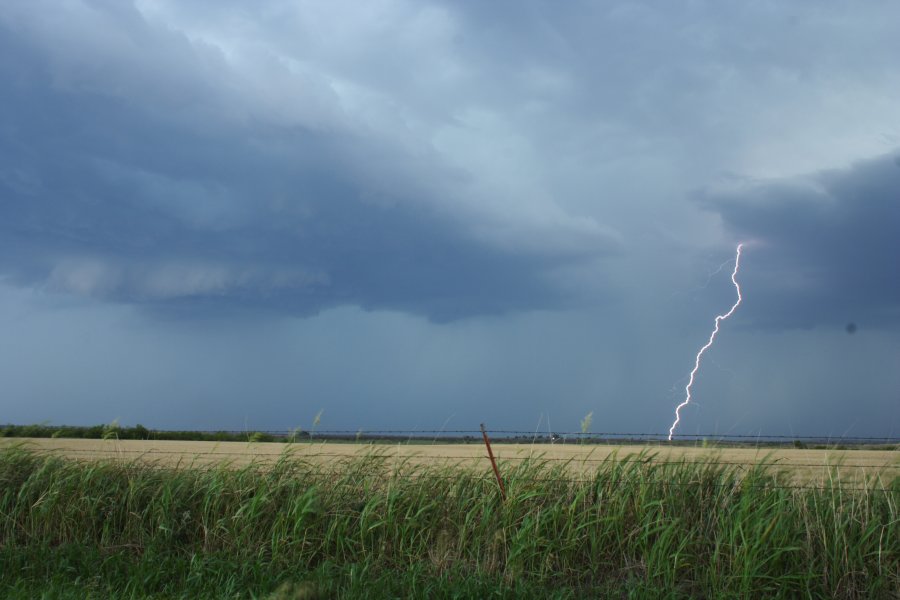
pixel 140 432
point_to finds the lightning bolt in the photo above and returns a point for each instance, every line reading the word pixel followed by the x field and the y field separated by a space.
pixel 712 338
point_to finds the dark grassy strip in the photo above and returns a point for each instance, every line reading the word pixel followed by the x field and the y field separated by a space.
pixel 363 530
pixel 139 432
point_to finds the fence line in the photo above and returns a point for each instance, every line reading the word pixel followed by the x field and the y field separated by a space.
pixel 476 433
pixel 501 435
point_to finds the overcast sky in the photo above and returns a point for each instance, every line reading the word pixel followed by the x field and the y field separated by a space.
pixel 416 215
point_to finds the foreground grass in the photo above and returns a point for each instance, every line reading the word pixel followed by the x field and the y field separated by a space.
pixel 364 529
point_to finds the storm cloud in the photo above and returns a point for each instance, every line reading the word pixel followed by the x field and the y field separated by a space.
pixel 825 246
pixel 142 169
pixel 221 215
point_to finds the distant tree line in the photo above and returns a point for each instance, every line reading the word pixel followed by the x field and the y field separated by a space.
pixel 137 432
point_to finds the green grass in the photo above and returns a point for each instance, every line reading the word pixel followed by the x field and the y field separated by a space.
pixel 364 529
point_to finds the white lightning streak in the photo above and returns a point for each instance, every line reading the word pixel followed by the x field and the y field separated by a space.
pixel 712 338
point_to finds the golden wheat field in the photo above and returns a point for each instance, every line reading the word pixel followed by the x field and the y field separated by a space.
pixel 806 466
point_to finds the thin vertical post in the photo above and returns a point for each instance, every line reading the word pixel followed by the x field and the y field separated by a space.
pixel 487 443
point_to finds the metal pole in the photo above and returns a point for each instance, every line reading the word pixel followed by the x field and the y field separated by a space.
pixel 487 443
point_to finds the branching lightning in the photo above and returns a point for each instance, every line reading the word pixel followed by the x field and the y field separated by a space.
pixel 712 338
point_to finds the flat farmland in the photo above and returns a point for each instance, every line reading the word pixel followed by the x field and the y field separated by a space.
pixel 801 465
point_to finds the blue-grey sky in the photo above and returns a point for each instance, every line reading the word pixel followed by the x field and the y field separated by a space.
pixel 425 214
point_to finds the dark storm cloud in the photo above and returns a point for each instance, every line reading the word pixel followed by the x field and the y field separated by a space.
pixel 448 158
pixel 133 172
pixel 823 249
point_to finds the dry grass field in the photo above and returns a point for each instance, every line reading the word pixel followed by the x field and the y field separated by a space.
pixel 805 466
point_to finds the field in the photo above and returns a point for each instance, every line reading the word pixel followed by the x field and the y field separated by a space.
pixel 800 466
pixel 134 519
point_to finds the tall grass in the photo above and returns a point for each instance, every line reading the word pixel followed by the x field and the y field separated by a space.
pixel 367 528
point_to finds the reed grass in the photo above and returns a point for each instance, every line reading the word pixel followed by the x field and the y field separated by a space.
pixel 367 528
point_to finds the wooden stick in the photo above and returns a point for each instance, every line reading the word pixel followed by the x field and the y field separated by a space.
pixel 487 443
